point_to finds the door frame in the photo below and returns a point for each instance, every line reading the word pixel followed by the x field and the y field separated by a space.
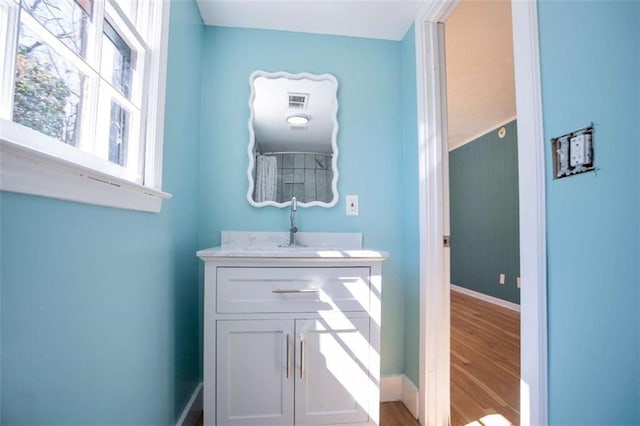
pixel 434 393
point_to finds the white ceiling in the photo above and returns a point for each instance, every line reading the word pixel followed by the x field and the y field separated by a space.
pixel 480 76
pixel 383 19
pixel 271 108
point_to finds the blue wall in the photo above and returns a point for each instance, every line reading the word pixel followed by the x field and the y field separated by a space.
pixel 483 182
pixel 182 139
pixel 410 229
pixel 99 306
pixel 593 218
pixel 369 142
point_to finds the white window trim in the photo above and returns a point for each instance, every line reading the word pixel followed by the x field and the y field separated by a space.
pixel 63 172
pixel 27 170
pixel 155 116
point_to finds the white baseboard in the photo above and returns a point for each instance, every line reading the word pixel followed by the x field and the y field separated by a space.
pixel 410 396
pixel 192 410
pixel 399 388
pixel 486 298
pixel 391 388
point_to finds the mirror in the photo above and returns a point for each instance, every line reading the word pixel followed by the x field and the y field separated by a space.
pixel 292 150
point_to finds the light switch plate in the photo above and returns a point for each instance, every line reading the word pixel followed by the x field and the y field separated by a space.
pixel 352 205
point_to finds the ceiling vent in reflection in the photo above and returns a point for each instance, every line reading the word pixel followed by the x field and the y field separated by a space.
pixel 298 100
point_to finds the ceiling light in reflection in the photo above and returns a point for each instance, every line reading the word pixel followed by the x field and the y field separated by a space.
pixel 298 119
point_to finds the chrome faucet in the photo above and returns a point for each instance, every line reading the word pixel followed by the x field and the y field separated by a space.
pixel 293 229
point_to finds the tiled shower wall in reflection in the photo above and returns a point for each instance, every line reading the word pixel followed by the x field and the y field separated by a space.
pixel 306 176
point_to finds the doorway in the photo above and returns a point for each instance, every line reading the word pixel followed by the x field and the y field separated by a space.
pixel 483 214
pixel 435 303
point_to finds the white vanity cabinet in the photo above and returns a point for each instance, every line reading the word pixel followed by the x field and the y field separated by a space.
pixel 291 338
pixel 253 385
pixel 333 385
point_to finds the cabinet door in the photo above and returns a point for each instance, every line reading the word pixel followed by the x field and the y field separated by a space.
pixel 254 373
pixel 333 382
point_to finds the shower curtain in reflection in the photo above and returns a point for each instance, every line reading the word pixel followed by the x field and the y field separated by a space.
pixel 266 178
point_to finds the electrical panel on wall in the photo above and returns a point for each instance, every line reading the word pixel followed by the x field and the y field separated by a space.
pixel 573 153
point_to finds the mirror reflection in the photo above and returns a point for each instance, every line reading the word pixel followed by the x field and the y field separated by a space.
pixel 292 148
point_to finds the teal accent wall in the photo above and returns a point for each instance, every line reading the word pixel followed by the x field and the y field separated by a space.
pixel 410 228
pixel 99 309
pixel 593 218
pixel 483 186
pixel 369 140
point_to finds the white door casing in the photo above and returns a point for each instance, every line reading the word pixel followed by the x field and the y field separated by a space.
pixel 533 254
pixel 434 295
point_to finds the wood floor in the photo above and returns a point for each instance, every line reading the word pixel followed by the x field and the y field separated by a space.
pixel 396 414
pixel 485 362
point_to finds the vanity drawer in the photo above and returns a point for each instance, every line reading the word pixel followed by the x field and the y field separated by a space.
pixel 292 289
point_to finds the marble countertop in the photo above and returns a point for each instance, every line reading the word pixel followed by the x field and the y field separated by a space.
pixel 291 252
pixel 311 245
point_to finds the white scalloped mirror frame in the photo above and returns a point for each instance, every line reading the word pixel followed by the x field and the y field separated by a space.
pixel 330 115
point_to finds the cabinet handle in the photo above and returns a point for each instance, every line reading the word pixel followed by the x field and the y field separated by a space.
pixel 288 357
pixel 292 290
pixel 301 355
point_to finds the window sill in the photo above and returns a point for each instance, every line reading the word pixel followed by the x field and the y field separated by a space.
pixel 29 171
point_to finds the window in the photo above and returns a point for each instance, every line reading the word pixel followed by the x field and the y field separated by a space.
pixel 83 98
